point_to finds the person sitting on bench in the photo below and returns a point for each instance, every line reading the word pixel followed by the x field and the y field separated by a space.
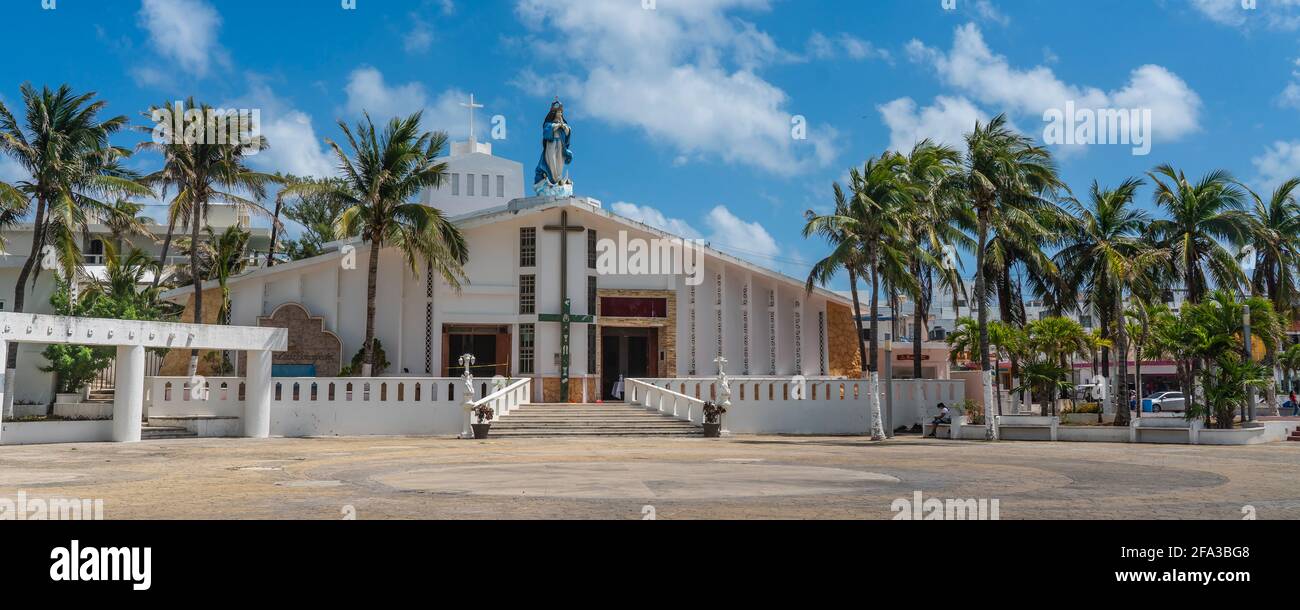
pixel 943 418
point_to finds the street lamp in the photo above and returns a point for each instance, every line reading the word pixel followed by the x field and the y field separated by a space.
pixel 1247 258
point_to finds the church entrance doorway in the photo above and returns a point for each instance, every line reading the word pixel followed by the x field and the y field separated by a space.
pixel 489 344
pixel 627 353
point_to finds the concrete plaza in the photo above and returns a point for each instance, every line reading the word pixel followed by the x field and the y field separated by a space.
pixel 617 478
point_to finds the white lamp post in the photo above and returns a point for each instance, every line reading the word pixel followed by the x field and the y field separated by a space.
pixel 467 363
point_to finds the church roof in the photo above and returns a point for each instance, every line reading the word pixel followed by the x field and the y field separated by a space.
pixel 517 207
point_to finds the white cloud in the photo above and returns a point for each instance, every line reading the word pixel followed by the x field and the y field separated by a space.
pixel 368 91
pixel 986 10
pixel 945 122
pixel 184 31
pixel 653 217
pixel 1279 163
pixel 420 38
pixel 730 233
pixel 684 74
pixel 725 231
pixel 821 46
pixel 295 148
pixel 1275 14
pixel 988 78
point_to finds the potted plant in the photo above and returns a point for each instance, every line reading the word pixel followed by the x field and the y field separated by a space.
pixel 713 413
pixel 484 415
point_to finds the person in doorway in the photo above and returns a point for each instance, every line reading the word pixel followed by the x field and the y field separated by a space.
pixel 1293 404
pixel 943 418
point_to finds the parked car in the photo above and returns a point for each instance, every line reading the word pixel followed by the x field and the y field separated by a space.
pixel 1161 402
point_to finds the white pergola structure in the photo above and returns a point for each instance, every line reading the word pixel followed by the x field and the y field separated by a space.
pixel 132 337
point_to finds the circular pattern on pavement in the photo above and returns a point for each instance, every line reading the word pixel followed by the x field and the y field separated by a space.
pixel 635 480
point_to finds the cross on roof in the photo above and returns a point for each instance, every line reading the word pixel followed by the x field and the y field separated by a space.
pixel 471 105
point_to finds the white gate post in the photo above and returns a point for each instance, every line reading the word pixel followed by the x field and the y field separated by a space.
pixel 128 397
pixel 257 403
pixel 4 383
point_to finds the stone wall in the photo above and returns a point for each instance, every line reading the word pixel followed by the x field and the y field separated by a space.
pixel 551 389
pixel 177 361
pixel 845 357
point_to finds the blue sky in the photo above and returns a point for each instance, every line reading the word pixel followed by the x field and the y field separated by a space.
pixel 682 112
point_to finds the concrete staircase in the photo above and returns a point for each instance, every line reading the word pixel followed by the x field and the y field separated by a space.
pixel 609 419
pixel 1295 436
pixel 153 433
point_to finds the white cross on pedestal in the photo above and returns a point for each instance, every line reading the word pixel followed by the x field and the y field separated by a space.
pixel 471 105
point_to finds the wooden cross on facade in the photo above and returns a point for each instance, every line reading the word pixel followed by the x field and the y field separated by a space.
pixel 565 317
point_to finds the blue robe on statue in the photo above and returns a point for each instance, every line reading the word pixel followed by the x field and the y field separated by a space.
pixel 556 156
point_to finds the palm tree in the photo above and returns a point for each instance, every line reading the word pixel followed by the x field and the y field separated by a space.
pixel 1105 257
pixel 1002 170
pixel 934 222
pixel 1200 217
pixel 384 172
pixel 227 256
pixel 1275 236
pixel 879 191
pixel 1051 341
pixel 63 146
pixel 964 338
pixel 1289 360
pixel 848 254
pixel 202 172
pixel 124 221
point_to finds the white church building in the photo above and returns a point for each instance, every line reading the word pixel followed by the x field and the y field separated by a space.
pixel 528 255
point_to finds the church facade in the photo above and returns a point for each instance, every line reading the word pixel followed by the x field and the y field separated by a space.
pixel 551 276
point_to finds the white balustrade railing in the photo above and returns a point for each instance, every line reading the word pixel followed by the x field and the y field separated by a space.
pixel 508 398
pixel 798 405
pixel 322 406
pixel 666 401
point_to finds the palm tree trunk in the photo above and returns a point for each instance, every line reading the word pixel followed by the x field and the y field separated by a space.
pixel 275 231
pixel 857 319
pixel 368 361
pixel 196 279
pixel 874 356
pixel 167 243
pixel 919 312
pixel 983 231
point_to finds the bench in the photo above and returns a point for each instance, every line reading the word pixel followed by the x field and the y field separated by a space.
pixel 1152 428
pixel 1028 427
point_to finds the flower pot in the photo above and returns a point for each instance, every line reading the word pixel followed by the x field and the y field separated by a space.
pixel 481 430
pixel 713 430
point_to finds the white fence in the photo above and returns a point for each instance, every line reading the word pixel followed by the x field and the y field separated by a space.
pixel 784 405
pixel 346 406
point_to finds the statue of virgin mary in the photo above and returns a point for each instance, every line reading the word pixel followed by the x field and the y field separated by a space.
pixel 552 176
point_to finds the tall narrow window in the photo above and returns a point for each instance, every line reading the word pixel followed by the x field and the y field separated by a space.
pixel 591 248
pixel 527 342
pixel 487 191
pixel 455 184
pixel 469 184
pixel 528 247
pixel 527 294
pixel 591 350
pixel 591 295
pixel 501 186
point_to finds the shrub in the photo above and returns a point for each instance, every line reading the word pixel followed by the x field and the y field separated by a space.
pixel 973 411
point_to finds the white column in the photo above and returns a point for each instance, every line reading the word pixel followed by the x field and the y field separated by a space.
pixel 7 387
pixel 5 376
pixel 257 394
pixel 128 398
